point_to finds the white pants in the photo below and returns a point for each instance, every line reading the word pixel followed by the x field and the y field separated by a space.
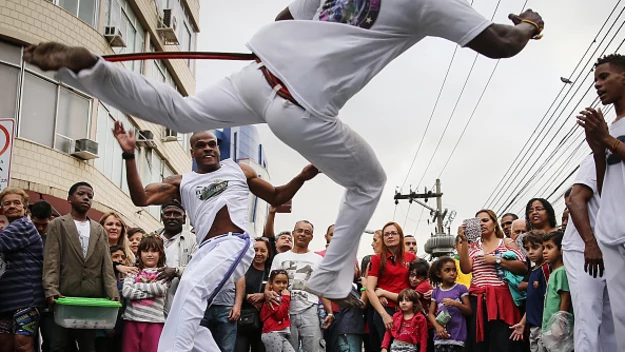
pixel 246 98
pixel 614 259
pixel 217 259
pixel 594 328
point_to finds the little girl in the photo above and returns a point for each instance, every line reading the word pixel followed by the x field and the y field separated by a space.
pixel 450 303
pixel 144 313
pixel 276 321
pixel 409 331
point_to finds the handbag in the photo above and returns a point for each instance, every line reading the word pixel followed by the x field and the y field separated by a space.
pixel 249 320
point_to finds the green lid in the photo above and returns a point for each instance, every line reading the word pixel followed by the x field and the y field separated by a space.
pixel 87 302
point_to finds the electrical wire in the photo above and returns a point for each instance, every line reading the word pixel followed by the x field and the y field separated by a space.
pixel 499 188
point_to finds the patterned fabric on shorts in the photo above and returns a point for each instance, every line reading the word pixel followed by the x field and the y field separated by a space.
pixel 448 348
pixel 21 322
pixel 400 346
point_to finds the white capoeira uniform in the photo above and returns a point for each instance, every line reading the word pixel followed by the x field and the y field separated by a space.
pixel 326 55
pixel 594 327
pixel 215 261
pixel 610 233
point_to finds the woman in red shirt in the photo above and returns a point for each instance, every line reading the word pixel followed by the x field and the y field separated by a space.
pixel 389 271
pixel 494 311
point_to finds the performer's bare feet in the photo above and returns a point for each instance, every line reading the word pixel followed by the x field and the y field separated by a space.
pixel 53 56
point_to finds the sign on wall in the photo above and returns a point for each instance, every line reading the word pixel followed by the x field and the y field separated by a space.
pixel 7 134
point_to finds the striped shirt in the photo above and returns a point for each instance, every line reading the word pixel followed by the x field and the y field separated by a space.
pixel 146 297
pixel 22 250
pixel 486 274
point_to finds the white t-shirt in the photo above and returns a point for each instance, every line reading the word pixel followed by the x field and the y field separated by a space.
pixel 333 48
pixel 172 250
pixel 84 232
pixel 586 176
pixel 610 229
pixel 299 267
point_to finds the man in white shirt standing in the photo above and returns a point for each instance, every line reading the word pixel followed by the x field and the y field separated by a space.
pixel 300 262
pixel 180 245
pixel 310 62
pixel 594 328
pixel 609 156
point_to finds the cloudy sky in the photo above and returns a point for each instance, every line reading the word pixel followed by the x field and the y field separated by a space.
pixel 393 110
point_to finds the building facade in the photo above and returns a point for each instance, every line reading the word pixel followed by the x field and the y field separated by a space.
pixel 57 125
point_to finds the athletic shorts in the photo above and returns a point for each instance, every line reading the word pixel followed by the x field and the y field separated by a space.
pixel 20 322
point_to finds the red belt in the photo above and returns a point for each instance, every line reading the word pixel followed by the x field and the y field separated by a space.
pixel 273 81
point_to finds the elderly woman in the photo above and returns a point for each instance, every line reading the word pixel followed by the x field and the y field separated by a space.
pixel 21 289
pixel 494 310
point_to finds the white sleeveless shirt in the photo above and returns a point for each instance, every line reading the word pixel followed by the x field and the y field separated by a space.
pixel 203 195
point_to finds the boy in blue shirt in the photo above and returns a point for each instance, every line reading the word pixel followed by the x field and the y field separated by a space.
pixel 536 289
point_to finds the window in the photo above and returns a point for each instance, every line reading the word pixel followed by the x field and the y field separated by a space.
pixel 119 14
pixel 10 60
pixel 58 116
pixel 186 31
pixel 110 162
pixel 86 10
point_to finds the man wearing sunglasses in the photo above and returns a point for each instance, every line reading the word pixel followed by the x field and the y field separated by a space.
pixel 216 198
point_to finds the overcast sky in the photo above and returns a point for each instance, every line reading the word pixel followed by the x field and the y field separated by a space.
pixel 393 110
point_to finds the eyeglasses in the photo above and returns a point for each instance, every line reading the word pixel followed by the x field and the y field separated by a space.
pixel 263 238
pixel 152 234
pixel 391 234
pixel 307 232
pixel 538 209
pixel 278 272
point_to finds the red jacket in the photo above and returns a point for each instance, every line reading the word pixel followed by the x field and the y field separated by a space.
pixel 418 331
pixel 278 318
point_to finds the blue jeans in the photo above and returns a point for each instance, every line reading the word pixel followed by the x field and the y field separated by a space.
pixel 223 330
pixel 349 343
pixel 305 329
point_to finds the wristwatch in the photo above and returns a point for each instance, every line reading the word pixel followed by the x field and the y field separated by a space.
pixel 178 272
pixel 498 260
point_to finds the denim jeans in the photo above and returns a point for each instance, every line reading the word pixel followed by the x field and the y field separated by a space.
pixel 305 328
pixel 223 330
pixel 349 343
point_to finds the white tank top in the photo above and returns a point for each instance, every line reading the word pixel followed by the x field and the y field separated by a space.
pixel 203 195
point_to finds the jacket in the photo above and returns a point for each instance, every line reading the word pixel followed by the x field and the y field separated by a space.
pixel 22 249
pixel 418 331
pixel 187 245
pixel 278 319
pixel 66 272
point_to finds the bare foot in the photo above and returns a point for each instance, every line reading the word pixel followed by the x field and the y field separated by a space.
pixel 53 56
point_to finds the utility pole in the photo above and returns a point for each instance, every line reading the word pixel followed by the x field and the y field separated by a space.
pixel 438 214
pixel 441 243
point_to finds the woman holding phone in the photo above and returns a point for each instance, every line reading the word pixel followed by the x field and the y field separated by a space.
pixel 488 329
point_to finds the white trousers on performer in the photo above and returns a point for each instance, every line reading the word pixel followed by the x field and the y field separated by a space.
pixel 614 259
pixel 594 327
pixel 246 98
pixel 212 264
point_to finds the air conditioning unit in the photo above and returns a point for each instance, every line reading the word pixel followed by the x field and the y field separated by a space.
pixel 168 27
pixel 145 138
pixel 84 149
pixel 114 36
pixel 170 136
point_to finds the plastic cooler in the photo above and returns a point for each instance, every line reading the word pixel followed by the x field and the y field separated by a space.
pixel 86 313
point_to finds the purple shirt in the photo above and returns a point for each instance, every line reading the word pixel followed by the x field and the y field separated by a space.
pixel 457 326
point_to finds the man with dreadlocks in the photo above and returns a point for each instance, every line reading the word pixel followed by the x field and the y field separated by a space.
pixel 608 150
pixel 310 62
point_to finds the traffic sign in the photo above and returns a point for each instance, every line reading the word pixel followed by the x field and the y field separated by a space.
pixel 7 134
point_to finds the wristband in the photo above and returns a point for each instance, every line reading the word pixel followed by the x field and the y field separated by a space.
pixel 540 30
pixel 128 156
pixel 615 145
pixel 362 289
pixel 330 315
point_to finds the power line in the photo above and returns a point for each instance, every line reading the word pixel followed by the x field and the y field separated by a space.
pixel 514 175
pixel 510 171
